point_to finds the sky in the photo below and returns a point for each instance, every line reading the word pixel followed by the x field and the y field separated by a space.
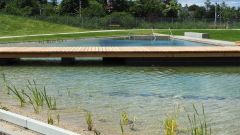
pixel 235 3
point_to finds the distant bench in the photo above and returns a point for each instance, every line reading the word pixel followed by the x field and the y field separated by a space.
pixel 237 43
pixel 114 25
pixel 196 35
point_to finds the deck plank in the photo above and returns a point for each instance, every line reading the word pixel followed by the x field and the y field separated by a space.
pixel 213 51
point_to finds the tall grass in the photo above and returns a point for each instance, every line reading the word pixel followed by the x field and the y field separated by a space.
pixel 19 94
pixel 198 123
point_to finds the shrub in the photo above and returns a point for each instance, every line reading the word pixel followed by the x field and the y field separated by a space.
pixel 123 19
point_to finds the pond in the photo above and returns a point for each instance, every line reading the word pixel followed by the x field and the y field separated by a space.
pixel 147 94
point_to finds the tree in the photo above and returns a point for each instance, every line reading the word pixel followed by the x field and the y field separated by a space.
pixel 54 2
pixel 207 4
pixel 95 9
pixel 72 6
pixel 172 8
pixel 197 11
pixel 119 5
pixel 148 8
pixel 23 7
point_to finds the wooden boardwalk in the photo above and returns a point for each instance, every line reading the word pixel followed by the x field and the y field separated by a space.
pixel 119 52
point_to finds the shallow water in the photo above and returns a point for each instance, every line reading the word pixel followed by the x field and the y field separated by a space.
pixel 146 93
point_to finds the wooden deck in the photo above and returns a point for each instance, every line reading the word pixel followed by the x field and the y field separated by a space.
pixel 118 52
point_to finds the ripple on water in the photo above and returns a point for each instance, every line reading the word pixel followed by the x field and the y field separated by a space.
pixel 147 93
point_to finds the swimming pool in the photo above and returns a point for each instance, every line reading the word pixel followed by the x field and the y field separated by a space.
pixel 109 42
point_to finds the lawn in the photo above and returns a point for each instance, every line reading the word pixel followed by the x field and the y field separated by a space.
pixel 227 35
pixel 14 25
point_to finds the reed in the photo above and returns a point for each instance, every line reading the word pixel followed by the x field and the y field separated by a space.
pixel 50 101
pixel 89 121
pixel 18 94
pixel 35 107
pixel 36 93
pixel 121 127
pixel 5 84
pixel 198 123
pixel 58 118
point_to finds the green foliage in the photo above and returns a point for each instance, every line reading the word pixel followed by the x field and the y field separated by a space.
pixel 95 9
pixel 123 19
pixel 72 7
pixel 89 121
pixel 19 94
pixel 36 93
pixel 23 7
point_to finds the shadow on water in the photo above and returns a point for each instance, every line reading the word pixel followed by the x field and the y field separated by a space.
pixel 131 62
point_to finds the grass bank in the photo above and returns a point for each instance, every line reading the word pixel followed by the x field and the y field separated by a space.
pixel 15 26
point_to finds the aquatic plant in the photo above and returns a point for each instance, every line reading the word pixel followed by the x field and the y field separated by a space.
pixel 198 122
pixel 5 84
pixel 50 101
pixel 125 121
pixel 89 121
pixel 58 118
pixel 124 118
pixel 50 119
pixel 170 126
pixel 19 94
pixel 68 92
pixel 121 127
pixel 35 107
pixel 36 93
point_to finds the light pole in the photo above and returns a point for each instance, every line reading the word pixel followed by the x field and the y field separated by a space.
pixel 215 19
pixel 80 8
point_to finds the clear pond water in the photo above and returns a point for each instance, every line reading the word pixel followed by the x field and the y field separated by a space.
pixel 147 94
pixel 110 42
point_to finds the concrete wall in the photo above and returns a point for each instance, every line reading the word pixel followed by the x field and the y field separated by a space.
pixel 32 124
pixel 196 35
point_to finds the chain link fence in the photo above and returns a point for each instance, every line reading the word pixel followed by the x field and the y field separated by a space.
pixel 144 23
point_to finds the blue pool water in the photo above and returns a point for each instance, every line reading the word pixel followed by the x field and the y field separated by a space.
pixel 126 42
pixel 107 42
